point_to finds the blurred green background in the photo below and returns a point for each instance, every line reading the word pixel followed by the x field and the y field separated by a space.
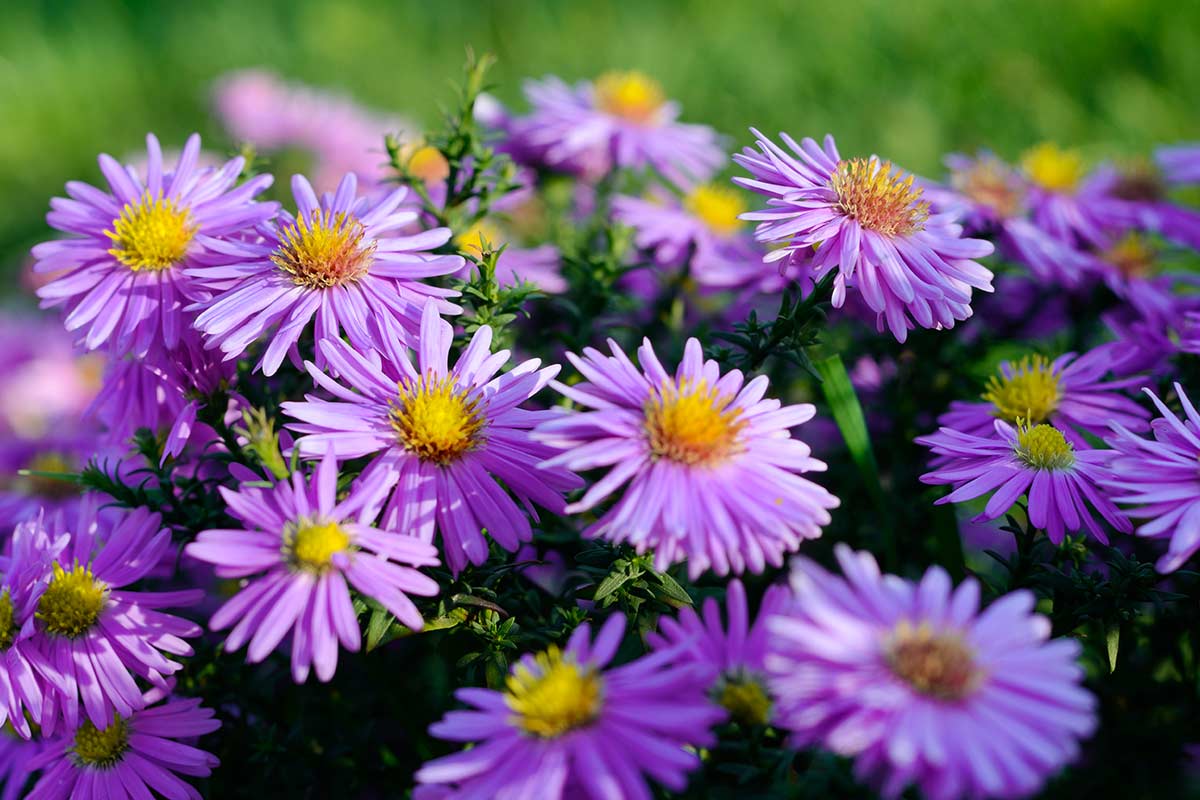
pixel 911 80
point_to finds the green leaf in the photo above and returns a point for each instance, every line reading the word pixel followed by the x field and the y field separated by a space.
pixel 676 595
pixel 1114 643
pixel 378 625
pixel 612 583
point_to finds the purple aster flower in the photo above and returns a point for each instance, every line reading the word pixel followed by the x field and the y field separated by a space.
pixel 125 268
pixel 1072 206
pixel 1157 477
pixel 1138 272
pixel 130 755
pixel 1180 163
pixel 340 262
pixel 1062 480
pixel 16 757
pixel 1069 392
pixel 304 550
pixel 920 687
pixel 565 726
pixel 442 438
pixel 623 119
pixel 868 222
pixel 541 265
pixel 713 472
pixel 734 651
pixel 1135 196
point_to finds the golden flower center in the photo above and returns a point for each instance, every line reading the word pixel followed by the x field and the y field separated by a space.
pixel 152 234
pixel 324 250
pixel 72 602
pixel 555 697
pixel 744 697
pixel 436 420
pixel 717 206
pixel 8 628
pixel 101 747
pixel 940 665
pixel 1044 447
pixel 1053 168
pixel 989 183
pixel 1031 391
pixel 692 424
pixel 469 240
pixel 427 164
pixel 876 194
pixel 1134 256
pixel 312 544
pixel 630 95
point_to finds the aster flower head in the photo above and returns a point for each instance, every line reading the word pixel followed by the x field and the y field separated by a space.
pixel 1069 203
pixel 1179 163
pixel 16 757
pixel 1062 480
pixel 734 651
pixel 920 687
pixel 441 438
pixel 868 220
pixel 713 474
pixel 338 262
pixel 125 266
pixel 569 725
pixel 132 755
pixel 304 550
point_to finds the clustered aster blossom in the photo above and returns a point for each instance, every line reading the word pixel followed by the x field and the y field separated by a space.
pixel 920 687
pixel 713 473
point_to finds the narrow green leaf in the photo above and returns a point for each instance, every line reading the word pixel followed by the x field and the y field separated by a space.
pixel 377 627
pixel 1114 643
pixel 614 581
pixel 676 595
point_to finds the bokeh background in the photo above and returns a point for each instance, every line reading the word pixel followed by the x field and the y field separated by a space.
pixel 908 80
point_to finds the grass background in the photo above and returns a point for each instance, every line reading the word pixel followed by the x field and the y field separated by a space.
pixel 910 80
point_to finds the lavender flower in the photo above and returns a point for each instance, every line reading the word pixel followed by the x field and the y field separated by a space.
pixel 1067 203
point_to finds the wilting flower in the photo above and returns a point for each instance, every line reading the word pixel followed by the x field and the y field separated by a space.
pixel 867 220
pixel 125 268
pixel 713 472
pixel 565 726
pixel 130 755
pixel 1062 480
pixel 920 687
pixel 306 549
pixel 734 652
pixel 338 261
pixel 1158 479
pixel 442 438
pixel 541 265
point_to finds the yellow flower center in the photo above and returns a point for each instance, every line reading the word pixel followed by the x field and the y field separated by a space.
pixel 718 207
pixel 427 164
pixel 8 630
pixel 940 665
pixel 692 424
pixel 989 183
pixel 1044 447
pixel 1031 391
pixel 436 420
pixel 878 197
pixel 101 747
pixel 744 697
pixel 631 95
pixel 1053 167
pixel 468 241
pixel 556 697
pixel 72 602
pixel 311 544
pixel 154 234
pixel 324 250
pixel 1134 256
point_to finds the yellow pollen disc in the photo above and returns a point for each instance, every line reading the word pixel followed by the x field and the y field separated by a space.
pixel 1044 447
pixel 436 420
pixel 101 747
pixel 324 250
pixel 940 665
pixel 154 234
pixel 72 601
pixel 631 95
pixel 468 241
pixel 1053 168
pixel 1134 256
pixel 718 206
pixel 8 630
pixel 872 193
pixel 744 698
pixel 990 184
pixel 555 698
pixel 427 164
pixel 311 544
pixel 1031 391
pixel 692 424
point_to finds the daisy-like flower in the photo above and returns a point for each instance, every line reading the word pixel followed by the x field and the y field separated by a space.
pixel 443 438
pixel 131 755
pixel 1069 392
pixel 305 550
pixel 734 651
pixel 1157 478
pixel 713 472
pixel 338 261
pixel 920 687
pixel 125 266
pixel 1136 196
pixel 541 265
pixel 866 219
pixel 1180 163
pixel 16 755
pixel 623 119
pixel 1136 270
pixel 1062 480
pixel 566 725
pixel 1065 201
